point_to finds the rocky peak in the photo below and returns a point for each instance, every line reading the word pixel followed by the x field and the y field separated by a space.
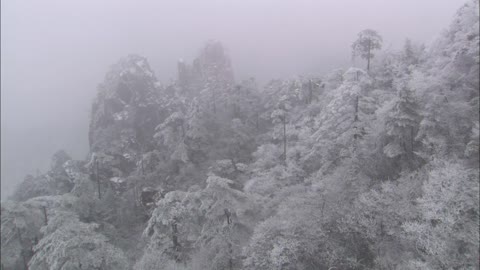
pixel 125 111
pixel 212 66
pixel 130 82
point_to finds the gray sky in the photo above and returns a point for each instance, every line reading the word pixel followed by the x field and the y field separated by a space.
pixel 55 52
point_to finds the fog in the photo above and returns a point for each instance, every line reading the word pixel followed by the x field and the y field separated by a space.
pixel 54 53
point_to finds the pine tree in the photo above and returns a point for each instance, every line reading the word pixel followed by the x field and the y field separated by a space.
pixel 280 116
pixel 71 244
pixel 401 125
pixel 368 41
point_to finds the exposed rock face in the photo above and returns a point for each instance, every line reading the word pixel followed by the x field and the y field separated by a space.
pixel 149 196
pixel 130 104
pixel 214 64
pixel 125 114
pixel 211 67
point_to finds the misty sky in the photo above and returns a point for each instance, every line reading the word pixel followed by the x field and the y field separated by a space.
pixel 54 53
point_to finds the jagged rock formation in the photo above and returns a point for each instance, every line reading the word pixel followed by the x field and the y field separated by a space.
pixel 124 114
pixel 135 121
pixel 212 68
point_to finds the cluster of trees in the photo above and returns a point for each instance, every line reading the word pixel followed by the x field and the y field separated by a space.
pixel 358 169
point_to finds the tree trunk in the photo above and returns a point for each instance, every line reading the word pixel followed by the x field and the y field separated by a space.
pixel 20 239
pixel 25 262
pixel 229 243
pixel 227 215
pixel 45 219
pixel 98 179
pixel 230 260
pixel 356 108
pixel 310 91
pixel 176 245
pixel 411 142
pixel 323 206
pixel 355 120
pixel 284 139
pixel 135 197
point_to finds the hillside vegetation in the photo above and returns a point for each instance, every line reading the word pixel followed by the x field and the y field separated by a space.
pixel 358 169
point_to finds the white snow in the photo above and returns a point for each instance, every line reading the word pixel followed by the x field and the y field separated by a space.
pixel 117 180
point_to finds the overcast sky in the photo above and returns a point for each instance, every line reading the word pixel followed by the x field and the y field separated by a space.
pixel 54 53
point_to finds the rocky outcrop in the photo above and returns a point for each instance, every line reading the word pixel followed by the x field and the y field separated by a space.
pixel 211 68
pixel 60 179
pixel 124 115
